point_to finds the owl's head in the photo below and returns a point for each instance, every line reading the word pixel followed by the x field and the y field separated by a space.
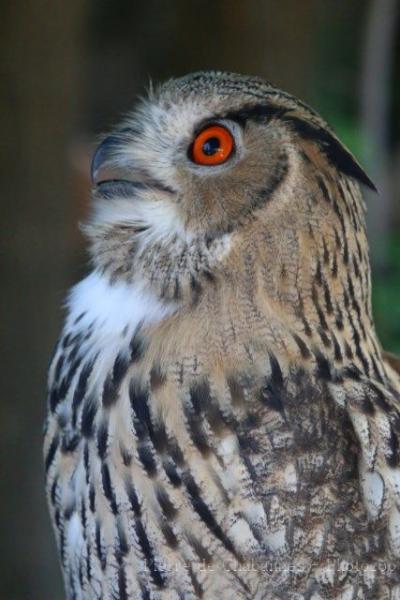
pixel 211 165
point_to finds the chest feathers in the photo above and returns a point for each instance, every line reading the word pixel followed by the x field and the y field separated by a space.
pixel 180 458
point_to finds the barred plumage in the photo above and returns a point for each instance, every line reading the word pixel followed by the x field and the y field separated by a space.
pixel 221 419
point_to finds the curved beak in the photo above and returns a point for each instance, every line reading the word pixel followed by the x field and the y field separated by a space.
pixel 103 159
pixel 117 180
pixel 103 155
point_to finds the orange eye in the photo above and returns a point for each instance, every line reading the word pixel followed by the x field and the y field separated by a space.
pixel 213 146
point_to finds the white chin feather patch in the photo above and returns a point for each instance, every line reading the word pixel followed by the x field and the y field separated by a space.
pixel 114 306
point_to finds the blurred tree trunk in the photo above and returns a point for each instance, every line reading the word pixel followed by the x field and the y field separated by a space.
pixel 39 46
pixel 380 38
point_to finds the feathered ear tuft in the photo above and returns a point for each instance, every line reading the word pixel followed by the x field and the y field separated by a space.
pixel 333 149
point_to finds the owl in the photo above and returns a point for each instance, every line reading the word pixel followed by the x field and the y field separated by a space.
pixel 222 421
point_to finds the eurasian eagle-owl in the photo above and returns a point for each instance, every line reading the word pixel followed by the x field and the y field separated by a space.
pixel 222 422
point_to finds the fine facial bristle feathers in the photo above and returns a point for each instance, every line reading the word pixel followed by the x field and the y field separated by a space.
pixel 221 420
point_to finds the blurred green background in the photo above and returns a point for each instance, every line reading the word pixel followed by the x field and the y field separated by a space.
pixel 68 71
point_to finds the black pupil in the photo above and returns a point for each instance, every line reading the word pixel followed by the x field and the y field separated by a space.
pixel 211 146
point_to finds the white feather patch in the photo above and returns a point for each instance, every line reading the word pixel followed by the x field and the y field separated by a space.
pixel 158 216
pixel 276 540
pixel 373 488
pixel 111 312
pixel 113 307
pixel 74 535
pixel 394 530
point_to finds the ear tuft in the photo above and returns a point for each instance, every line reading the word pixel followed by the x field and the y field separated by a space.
pixel 333 149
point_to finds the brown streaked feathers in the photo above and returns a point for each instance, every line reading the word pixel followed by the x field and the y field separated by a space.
pixel 222 422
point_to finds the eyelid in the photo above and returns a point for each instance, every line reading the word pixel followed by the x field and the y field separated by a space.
pixel 230 125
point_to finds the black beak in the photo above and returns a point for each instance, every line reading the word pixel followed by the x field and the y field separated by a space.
pixel 110 187
pixel 103 155
pixel 111 184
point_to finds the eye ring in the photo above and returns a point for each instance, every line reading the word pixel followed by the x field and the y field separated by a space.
pixel 212 146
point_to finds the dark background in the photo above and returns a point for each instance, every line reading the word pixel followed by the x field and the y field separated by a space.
pixel 68 71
